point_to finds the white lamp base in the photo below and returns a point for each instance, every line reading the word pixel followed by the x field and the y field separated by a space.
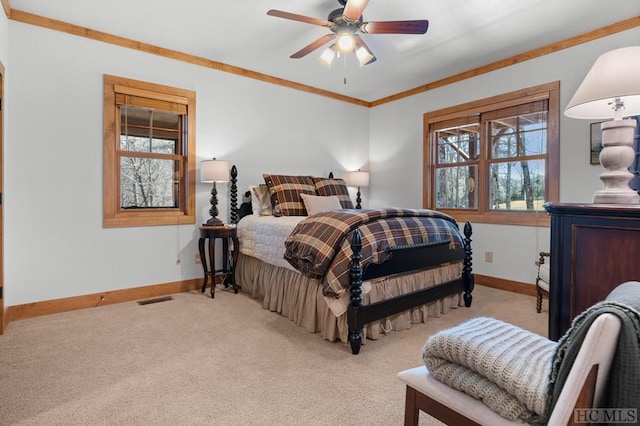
pixel 616 156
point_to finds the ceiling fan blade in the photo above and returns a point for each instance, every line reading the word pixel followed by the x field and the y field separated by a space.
pixel 299 18
pixel 395 27
pixel 353 10
pixel 365 57
pixel 313 46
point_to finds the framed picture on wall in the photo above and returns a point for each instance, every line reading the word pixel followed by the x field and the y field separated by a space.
pixel 596 142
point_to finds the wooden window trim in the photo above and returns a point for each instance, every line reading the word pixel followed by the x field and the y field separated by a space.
pixel 550 91
pixel 113 216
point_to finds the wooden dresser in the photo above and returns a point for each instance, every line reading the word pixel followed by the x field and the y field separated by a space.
pixel 594 247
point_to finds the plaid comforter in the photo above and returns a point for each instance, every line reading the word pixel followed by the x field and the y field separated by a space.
pixel 319 246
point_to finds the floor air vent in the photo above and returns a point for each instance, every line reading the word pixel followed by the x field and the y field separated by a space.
pixel 155 300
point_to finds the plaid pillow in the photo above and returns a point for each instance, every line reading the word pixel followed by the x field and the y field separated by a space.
pixel 285 193
pixel 338 187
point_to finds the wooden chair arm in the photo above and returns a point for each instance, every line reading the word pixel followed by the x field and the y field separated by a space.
pixel 542 255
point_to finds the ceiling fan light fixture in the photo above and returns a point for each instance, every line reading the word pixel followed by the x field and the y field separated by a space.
pixel 345 24
pixel 364 56
pixel 345 43
pixel 327 56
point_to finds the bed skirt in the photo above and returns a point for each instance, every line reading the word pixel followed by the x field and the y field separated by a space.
pixel 300 298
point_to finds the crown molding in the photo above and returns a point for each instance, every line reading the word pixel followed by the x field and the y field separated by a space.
pixel 7 8
pixel 56 25
pixel 65 27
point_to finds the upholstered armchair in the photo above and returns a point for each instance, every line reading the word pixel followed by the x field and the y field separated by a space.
pixel 542 279
pixel 583 387
pixel 488 372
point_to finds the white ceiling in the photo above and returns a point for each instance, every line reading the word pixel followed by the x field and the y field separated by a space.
pixel 462 35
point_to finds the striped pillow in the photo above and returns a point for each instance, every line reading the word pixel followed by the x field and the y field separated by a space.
pixel 285 193
pixel 338 187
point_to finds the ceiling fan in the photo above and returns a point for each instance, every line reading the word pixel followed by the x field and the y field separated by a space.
pixel 345 23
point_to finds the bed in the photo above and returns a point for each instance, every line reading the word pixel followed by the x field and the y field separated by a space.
pixel 363 286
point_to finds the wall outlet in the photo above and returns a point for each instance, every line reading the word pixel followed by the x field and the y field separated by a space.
pixel 488 256
pixel 198 260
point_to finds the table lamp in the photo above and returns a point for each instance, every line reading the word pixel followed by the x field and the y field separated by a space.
pixel 358 179
pixel 212 171
pixel 611 90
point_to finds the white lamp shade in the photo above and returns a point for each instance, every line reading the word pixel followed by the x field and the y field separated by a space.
pixel 327 56
pixel 364 56
pixel 358 178
pixel 214 171
pixel 615 74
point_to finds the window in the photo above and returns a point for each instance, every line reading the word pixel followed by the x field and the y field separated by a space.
pixel 149 154
pixel 495 160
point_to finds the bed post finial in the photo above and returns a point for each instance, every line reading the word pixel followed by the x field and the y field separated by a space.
pixel 234 195
pixel 355 307
pixel 467 276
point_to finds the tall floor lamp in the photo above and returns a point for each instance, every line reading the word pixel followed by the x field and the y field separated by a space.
pixel 611 89
pixel 358 179
pixel 212 171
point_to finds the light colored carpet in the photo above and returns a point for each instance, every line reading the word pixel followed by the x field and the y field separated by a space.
pixel 197 361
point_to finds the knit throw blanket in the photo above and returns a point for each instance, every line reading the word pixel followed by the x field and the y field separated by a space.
pixel 504 366
pixel 623 388
pixel 520 375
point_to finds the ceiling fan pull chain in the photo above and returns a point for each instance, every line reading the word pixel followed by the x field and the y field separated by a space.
pixel 345 68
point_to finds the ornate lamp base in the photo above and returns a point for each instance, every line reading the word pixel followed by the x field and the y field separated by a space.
pixel 616 156
pixel 213 211
pixel 214 221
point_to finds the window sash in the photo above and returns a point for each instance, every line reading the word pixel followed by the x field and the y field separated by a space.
pixel 150 132
pixel 143 188
pixel 516 142
pixel 495 164
pixel 167 144
pixel 149 183
pixel 463 142
pixel 540 155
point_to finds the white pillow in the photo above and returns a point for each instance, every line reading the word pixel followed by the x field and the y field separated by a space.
pixel 255 203
pixel 260 200
pixel 318 204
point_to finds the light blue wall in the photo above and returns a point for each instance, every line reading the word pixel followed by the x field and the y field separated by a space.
pixel 55 245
